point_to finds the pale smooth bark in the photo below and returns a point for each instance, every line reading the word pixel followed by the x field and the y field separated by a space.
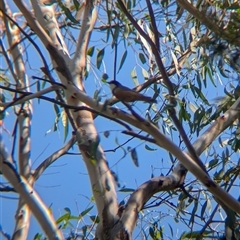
pixel 176 178
pixel 70 73
pixel 24 115
pixel 28 195
pixel 163 142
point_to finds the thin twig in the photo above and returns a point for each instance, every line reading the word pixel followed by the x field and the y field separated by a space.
pixel 51 159
pixel 99 113
pixel 7 189
pixel 137 116
pixel 114 42
pixel 136 135
pixel 46 80
pixel 28 37
pixel 153 46
pixel 46 68
pixel 27 95
pixel 10 65
pixel 154 25
pixel 166 81
pixel 30 95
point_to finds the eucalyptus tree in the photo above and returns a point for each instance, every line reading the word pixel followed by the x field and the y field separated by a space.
pixel 186 56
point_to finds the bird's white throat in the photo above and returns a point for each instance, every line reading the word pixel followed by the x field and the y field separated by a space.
pixel 112 86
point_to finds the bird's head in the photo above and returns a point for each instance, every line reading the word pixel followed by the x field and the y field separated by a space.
pixel 113 84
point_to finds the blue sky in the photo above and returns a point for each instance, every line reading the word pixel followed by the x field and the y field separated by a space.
pixel 65 183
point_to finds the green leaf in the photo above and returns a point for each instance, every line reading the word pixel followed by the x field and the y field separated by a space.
pixel 49 3
pixel 134 156
pixel 67 210
pixel 2 111
pixel 44 83
pixel 191 221
pixel 58 114
pixel 134 77
pixel 122 60
pixel 233 6
pixel 193 235
pixel 200 94
pixel 204 75
pixel 222 70
pixel 199 81
pixel 90 51
pixel 100 56
pixel 84 231
pixel 211 76
pixel 149 148
pixel 183 113
pixel 115 35
pixel 66 129
pixel 96 94
pixel 127 190
pixel 160 232
pixel 64 217
pixel 203 210
pixel 64 118
pixel 142 58
pixel 192 107
pixel 38 236
pixel 83 213
pixel 212 163
pixel 151 232
pixel 145 74
pixel 57 110
pixel 95 219
pixel 108 34
pixel 198 116
pixel 175 61
pixel 129 5
pixel 68 13
pixel 76 4
pixel 126 31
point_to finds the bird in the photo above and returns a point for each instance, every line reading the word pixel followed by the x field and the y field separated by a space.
pixel 126 94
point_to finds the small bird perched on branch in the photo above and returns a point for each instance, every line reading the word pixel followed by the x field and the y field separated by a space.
pixel 126 94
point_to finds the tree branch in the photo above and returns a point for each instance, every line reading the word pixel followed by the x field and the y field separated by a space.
pixel 201 16
pixel 156 52
pixel 24 117
pixel 170 182
pixel 51 159
pixel 136 135
pixel 26 96
pixel 88 22
pixel 29 195
pixel 164 142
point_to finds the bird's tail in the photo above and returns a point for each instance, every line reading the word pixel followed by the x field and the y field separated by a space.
pixel 149 99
